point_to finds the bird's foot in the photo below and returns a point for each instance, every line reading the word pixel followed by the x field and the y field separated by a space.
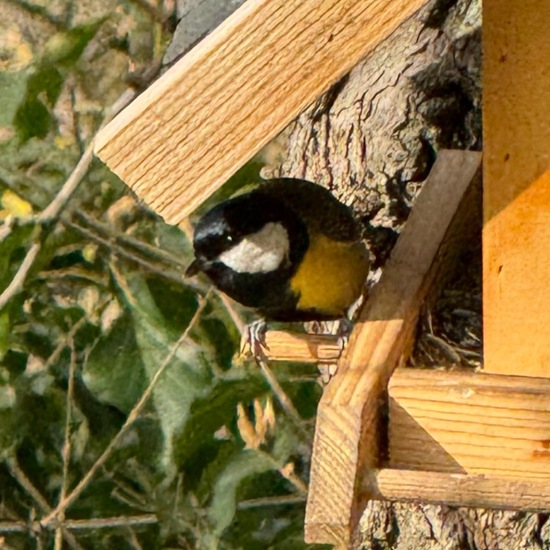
pixel 326 372
pixel 253 339
pixel 343 332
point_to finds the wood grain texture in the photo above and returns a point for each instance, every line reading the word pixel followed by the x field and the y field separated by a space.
pixel 463 490
pixel 347 430
pixel 516 234
pixel 302 348
pixel 465 422
pixel 207 115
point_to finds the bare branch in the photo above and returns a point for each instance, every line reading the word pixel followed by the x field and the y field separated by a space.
pixel 284 500
pixel 101 523
pixel 171 275
pixel 16 284
pixel 19 475
pixel 21 478
pixel 66 452
pixel 13 527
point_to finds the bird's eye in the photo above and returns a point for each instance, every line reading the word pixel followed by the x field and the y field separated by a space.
pixel 229 238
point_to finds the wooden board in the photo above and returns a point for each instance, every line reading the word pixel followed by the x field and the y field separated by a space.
pixel 215 108
pixel 469 423
pixel 347 432
pixel 302 348
pixel 516 234
pixel 477 491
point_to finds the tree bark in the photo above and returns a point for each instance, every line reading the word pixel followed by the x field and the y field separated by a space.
pixel 373 137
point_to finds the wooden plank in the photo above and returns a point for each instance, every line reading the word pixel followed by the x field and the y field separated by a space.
pixel 465 422
pixel 347 431
pixel 215 108
pixel 302 348
pixel 516 234
pixel 463 490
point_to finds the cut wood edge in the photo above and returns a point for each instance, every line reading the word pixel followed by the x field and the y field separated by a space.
pixel 301 347
pixel 477 491
pixel 465 422
pixel 348 428
pixel 236 90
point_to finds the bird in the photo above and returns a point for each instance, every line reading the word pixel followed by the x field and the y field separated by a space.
pixel 287 249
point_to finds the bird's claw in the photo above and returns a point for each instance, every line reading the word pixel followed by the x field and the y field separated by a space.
pixel 253 339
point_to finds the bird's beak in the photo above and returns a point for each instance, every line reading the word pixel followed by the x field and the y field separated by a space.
pixel 193 269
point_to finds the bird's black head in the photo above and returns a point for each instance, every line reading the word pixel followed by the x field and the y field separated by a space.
pixel 247 243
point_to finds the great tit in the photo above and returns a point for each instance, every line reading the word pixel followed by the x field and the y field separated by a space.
pixel 288 249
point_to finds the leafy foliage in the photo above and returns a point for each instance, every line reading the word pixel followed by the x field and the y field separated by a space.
pixel 198 456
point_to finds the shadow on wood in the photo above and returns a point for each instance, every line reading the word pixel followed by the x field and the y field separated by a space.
pixel 348 435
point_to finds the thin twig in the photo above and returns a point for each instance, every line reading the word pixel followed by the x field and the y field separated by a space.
pixel 152 268
pixel 281 396
pixel 134 541
pixel 132 417
pixel 13 527
pixel 69 187
pixel 16 284
pixel 64 342
pixel 19 475
pixel 66 452
pixel 235 317
pixel 6 228
pixel 53 210
pixel 102 523
pixel 147 249
pixel 283 500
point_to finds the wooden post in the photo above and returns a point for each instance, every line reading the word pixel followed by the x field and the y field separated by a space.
pixel 516 234
pixel 348 429
pixel 215 108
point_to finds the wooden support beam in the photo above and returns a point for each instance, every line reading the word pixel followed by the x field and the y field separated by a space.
pixel 347 433
pixel 476 491
pixel 516 234
pixel 302 348
pixel 235 91
pixel 465 422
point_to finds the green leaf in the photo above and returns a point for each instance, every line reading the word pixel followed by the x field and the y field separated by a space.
pixel 240 466
pixel 32 119
pixel 13 85
pixel 114 372
pixel 213 411
pixel 66 47
pixel 187 376
pixel 48 79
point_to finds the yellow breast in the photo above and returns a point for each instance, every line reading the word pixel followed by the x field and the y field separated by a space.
pixel 331 276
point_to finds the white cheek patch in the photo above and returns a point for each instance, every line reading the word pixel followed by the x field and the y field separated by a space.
pixel 260 252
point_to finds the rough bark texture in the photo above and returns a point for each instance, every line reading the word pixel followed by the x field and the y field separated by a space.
pixel 373 137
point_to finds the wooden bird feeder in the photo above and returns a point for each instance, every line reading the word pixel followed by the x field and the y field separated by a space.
pixel 471 439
